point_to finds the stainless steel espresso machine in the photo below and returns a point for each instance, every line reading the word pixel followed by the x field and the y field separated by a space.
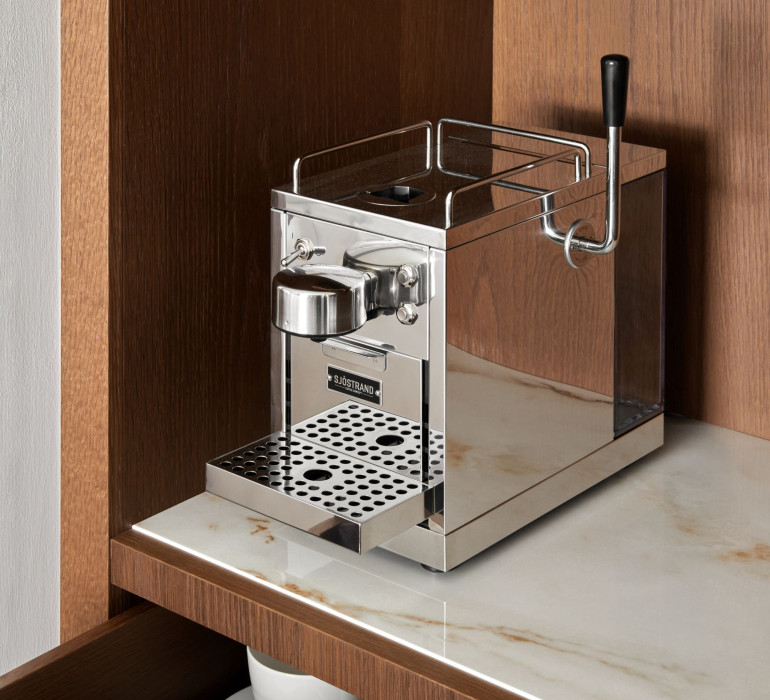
pixel 467 333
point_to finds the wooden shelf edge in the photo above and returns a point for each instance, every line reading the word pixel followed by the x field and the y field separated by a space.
pixel 339 652
pixel 147 652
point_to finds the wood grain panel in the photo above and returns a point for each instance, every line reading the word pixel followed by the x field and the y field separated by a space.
pixel 208 111
pixel 147 652
pixel 696 88
pixel 84 314
pixel 446 60
pixel 346 655
pixel 209 102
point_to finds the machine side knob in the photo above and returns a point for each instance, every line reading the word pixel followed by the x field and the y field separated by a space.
pixel 407 313
pixel 304 249
pixel 407 275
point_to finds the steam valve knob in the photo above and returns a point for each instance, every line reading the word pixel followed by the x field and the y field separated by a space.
pixel 407 313
pixel 304 249
pixel 407 276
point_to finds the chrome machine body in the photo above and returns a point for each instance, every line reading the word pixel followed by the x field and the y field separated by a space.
pixel 461 342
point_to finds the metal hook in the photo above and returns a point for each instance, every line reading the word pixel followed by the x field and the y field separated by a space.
pixel 570 245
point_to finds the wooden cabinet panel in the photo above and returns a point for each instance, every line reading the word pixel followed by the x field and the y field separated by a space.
pixel 356 659
pixel 167 169
pixel 84 316
pixel 697 90
pixel 147 652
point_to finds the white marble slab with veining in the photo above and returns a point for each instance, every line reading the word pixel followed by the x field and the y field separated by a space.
pixel 654 585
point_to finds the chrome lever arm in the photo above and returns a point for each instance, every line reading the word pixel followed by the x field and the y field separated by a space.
pixel 614 94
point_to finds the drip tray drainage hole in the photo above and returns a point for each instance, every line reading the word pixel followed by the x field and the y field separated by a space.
pixel 389 440
pixel 317 475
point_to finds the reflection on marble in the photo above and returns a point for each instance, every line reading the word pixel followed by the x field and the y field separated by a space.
pixel 656 584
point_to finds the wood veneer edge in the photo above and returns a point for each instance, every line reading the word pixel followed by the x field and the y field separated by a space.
pixel 78 642
pixel 84 557
pixel 145 652
pixel 339 652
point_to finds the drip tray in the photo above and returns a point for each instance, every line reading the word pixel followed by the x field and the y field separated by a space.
pixel 373 435
pixel 326 493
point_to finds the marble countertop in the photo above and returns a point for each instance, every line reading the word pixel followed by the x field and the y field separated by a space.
pixel 655 584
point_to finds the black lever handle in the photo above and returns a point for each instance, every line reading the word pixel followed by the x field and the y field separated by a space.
pixel 614 89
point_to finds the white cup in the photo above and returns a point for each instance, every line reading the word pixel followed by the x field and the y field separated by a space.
pixel 273 680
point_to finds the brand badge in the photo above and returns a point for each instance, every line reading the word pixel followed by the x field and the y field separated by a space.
pixel 354 385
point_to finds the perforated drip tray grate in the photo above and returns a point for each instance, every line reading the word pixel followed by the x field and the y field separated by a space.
pixel 335 496
pixel 375 436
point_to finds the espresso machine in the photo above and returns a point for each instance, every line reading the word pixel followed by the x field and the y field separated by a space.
pixel 463 340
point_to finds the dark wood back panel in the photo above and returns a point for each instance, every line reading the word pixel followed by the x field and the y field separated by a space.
pixel 209 102
pixel 697 89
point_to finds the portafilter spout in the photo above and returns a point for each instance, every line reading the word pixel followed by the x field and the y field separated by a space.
pixel 375 278
pixel 319 301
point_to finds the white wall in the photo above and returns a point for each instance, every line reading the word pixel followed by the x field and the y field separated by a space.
pixel 29 329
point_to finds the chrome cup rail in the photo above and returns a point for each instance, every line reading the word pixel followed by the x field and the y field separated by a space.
pixel 499 176
pixel 614 71
pixel 614 93
pixel 428 126
pixel 578 145
pixel 549 229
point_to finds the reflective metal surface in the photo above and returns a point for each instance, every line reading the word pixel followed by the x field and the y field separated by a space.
pixel 277 338
pixel 507 431
pixel 407 314
pixel 382 330
pixel 386 439
pixel 407 275
pixel 354 504
pixel 445 552
pixel 308 393
pixel 611 230
pixel 335 196
pixel 361 355
pixel 583 242
pixel 580 233
pixel 579 146
pixel 303 250
pixel 385 260
pixel 467 358
pixel 320 300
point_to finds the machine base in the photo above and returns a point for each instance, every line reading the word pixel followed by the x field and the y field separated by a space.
pixel 444 552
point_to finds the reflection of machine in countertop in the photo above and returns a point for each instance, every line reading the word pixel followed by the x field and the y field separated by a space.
pixel 616 595
pixel 464 343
